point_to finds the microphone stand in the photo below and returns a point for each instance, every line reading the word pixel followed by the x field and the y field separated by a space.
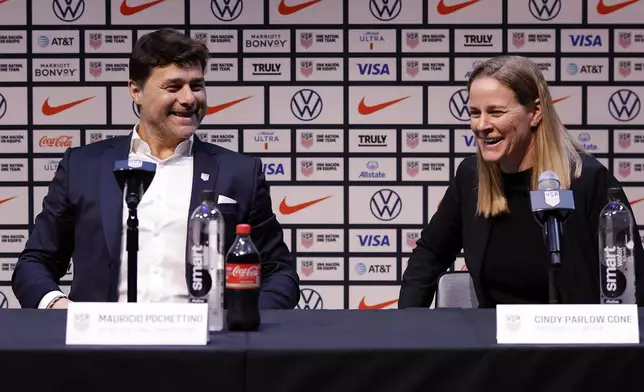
pixel 552 229
pixel 132 248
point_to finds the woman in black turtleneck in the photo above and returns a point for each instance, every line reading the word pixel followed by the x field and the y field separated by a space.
pixel 486 209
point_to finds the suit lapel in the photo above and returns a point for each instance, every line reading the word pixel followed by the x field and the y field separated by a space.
pixel 111 198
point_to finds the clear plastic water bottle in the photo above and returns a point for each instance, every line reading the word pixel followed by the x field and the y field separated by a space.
pixel 616 258
pixel 205 265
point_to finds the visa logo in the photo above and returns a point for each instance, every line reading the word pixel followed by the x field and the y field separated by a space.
pixel 469 140
pixel 374 240
pixel 585 40
pixel 273 169
pixel 373 69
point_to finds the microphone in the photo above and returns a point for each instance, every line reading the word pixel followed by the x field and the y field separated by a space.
pixel 551 206
pixel 134 176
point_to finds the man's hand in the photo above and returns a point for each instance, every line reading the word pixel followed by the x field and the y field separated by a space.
pixel 61 303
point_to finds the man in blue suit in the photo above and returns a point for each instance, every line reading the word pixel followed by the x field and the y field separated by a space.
pixel 84 218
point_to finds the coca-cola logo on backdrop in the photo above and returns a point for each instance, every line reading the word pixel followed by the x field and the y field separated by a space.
pixel 60 141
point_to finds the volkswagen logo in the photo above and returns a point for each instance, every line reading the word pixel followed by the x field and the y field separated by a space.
pixel 3 106
pixel 135 109
pixel 310 299
pixel 306 105
pixel 4 302
pixel 624 105
pixel 226 10
pixel 385 205
pixel 68 10
pixel 545 10
pixel 458 105
pixel 385 10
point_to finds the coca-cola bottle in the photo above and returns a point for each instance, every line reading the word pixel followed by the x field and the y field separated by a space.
pixel 243 280
pixel 205 263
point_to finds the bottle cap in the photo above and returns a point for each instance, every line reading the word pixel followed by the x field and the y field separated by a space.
pixel 616 192
pixel 208 195
pixel 243 229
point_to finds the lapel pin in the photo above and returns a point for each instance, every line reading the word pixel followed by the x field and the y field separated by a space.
pixel 205 176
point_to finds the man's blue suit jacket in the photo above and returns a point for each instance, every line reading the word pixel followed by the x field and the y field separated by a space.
pixel 82 218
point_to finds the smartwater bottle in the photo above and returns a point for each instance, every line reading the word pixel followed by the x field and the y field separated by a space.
pixel 616 258
pixel 205 265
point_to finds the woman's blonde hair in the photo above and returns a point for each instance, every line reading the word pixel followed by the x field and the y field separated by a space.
pixel 554 148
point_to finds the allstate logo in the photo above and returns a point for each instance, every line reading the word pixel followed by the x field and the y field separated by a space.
pixel 372 165
pixel 385 205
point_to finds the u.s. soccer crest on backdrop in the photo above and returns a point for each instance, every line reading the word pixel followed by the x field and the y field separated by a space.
pixel 624 139
pixel 306 139
pixel 412 39
pixel 412 67
pixel 412 237
pixel 307 168
pixel 412 139
pixel 95 40
pixel 412 168
pixel 306 39
pixel 307 267
pixel 518 39
pixel 513 322
pixel 624 39
pixel 306 68
pixel 95 68
pixel 552 198
pixel 624 168
pixel 625 68
pixel 307 239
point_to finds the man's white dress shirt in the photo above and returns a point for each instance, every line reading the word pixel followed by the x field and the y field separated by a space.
pixel 163 223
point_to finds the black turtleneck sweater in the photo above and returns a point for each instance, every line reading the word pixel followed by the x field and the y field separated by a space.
pixel 515 266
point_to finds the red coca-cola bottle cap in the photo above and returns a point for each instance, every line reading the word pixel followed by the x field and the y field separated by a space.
pixel 243 229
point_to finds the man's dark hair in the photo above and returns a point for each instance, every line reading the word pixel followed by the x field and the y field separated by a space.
pixel 162 48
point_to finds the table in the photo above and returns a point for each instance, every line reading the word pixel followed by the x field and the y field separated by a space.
pixel 306 351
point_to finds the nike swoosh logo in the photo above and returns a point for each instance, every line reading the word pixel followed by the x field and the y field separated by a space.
pixel 11 198
pixel 365 109
pixel 381 305
pixel 126 10
pixel 444 9
pixel 603 9
pixel 291 9
pixel 636 201
pixel 219 108
pixel 554 101
pixel 285 209
pixel 48 110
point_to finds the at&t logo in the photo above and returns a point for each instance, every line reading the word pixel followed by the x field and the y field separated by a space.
pixel 385 205
pixel 545 9
pixel 310 299
pixel 385 10
pixel 306 105
pixel 68 10
pixel 458 105
pixel 624 105
pixel 226 10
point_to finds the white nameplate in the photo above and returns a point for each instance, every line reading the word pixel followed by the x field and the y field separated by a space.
pixel 567 324
pixel 102 323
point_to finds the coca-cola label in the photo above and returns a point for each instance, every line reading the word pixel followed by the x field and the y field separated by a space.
pixel 243 276
pixel 60 141
pixel 199 280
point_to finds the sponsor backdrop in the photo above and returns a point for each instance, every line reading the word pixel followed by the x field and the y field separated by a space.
pixel 358 108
